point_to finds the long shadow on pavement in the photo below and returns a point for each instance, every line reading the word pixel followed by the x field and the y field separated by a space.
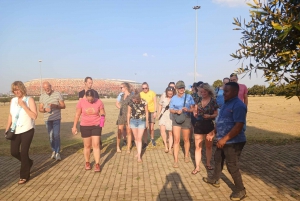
pixel 173 189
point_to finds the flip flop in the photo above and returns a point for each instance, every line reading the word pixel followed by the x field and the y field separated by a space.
pixel 209 167
pixel 194 172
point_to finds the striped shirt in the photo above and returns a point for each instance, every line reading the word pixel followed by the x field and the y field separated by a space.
pixel 46 100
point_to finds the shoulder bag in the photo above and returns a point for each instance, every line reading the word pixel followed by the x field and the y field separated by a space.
pixel 180 118
pixel 10 133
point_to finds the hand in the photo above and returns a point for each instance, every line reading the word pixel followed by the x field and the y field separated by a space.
pixel 53 106
pixel 206 116
pixel 179 111
pixel 221 143
pixel 74 131
pixel 154 115
pixel 195 114
pixel 47 109
pixel 184 109
pixel 147 124
pixel 210 136
pixel 22 103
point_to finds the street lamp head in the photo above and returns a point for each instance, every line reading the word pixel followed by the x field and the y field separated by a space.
pixel 196 7
pixel 40 60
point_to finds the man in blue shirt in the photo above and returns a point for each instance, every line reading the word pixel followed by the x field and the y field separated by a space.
pixel 231 140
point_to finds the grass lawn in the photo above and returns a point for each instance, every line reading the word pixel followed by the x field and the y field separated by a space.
pixel 273 120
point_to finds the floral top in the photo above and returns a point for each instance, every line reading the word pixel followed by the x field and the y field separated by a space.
pixel 138 110
pixel 210 108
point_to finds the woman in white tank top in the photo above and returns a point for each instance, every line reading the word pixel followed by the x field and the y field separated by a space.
pixel 20 144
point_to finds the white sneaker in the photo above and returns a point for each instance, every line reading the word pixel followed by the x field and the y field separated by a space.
pixel 57 156
pixel 53 155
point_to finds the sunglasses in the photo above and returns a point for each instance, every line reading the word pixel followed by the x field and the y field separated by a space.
pixel 170 88
pixel 144 88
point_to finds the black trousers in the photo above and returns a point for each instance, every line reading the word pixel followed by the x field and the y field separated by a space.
pixel 232 153
pixel 19 148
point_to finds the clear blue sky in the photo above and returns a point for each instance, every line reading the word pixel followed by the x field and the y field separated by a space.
pixel 141 40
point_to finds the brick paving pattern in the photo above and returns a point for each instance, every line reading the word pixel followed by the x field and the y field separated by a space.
pixel 269 173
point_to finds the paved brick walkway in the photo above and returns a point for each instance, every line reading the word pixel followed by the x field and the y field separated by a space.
pixel 269 173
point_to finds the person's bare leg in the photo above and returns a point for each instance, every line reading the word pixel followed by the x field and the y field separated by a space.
pixel 96 148
pixel 145 136
pixel 170 140
pixel 135 133
pixel 87 142
pixel 198 149
pixel 139 143
pixel 128 130
pixel 164 136
pixel 186 139
pixel 176 133
pixel 120 132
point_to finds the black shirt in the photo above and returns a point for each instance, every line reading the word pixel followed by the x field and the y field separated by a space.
pixel 82 93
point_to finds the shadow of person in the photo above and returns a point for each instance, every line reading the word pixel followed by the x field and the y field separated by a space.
pixel 174 189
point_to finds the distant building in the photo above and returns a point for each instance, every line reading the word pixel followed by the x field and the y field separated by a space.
pixel 105 87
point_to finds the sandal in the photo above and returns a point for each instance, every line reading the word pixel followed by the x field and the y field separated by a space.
pixel 209 167
pixel 22 181
pixel 187 159
pixel 194 172
pixel 175 165
pixel 166 150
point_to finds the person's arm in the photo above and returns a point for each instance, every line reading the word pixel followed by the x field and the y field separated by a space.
pixel 246 99
pixel 31 110
pixel 77 115
pixel 128 115
pixel 118 104
pixel 155 106
pixel 159 109
pixel 61 105
pixel 246 96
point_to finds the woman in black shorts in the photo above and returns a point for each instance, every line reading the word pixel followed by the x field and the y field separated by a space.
pixel 206 110
pixel 89 109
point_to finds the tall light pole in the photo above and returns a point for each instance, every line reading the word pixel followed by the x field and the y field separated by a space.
pixel 40 61
pixel 196 41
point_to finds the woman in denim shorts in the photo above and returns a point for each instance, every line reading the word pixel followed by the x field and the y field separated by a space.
pixel 137 120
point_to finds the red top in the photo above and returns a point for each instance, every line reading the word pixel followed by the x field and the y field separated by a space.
pixel 90 112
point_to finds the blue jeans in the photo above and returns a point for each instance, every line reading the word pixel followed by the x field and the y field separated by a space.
pixel 53 128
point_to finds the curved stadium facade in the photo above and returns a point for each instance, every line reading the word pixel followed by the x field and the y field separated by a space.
pixel 73 86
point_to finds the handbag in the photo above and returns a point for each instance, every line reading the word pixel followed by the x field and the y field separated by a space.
pixel 10 133
pixel 180 118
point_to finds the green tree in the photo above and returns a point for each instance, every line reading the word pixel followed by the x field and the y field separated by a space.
pixel 217 83
pixel 271 42
pixel 5 100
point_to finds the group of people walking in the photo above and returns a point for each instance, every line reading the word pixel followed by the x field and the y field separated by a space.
pixel 207 113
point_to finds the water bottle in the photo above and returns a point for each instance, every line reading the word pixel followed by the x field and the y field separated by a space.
pixel 102 120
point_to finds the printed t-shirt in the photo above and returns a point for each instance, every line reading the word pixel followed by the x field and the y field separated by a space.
pixel 233 111
pixel 149 98
pixel 90 112
pixel 138 110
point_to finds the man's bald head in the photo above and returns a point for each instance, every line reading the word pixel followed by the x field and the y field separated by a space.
pixel 47 87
